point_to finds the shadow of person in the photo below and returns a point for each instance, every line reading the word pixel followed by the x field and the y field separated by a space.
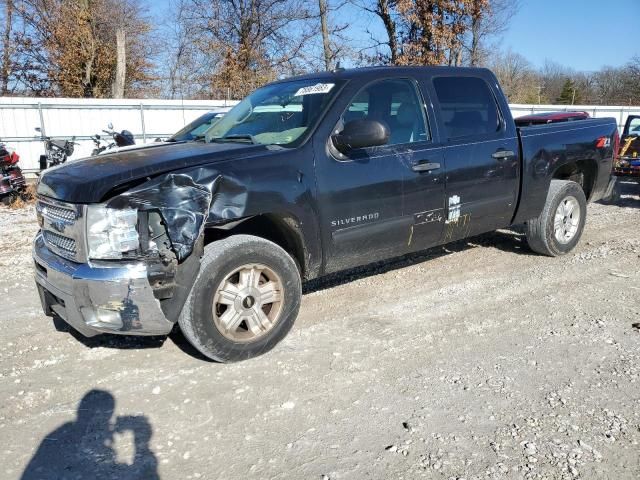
pixel 84 448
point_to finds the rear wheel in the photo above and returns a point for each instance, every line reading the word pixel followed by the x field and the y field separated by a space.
pixel 244 300
pixel 559 227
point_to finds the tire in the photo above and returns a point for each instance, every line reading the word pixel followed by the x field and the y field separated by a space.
pixel 249 266
pixel 542 235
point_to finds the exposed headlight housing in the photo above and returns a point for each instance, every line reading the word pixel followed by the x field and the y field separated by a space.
pixel 111 232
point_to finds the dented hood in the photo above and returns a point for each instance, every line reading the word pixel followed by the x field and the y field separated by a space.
pixel 90 180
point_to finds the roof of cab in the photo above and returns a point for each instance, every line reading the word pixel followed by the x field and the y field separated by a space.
pixel 349 73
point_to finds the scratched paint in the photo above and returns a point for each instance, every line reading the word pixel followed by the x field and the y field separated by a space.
pixel 430 216
pixel 459 228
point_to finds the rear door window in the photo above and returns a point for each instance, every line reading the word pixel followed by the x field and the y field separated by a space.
pixel 467 106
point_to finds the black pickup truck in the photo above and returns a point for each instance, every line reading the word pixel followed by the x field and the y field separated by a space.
pixel 304 177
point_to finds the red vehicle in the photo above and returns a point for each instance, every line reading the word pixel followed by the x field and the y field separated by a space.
pixel 549 117
pixel 628 164
pixel 12 182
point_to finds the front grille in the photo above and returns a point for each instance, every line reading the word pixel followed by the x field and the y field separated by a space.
pixel 63 244
pixel 54 212
pixel 62 226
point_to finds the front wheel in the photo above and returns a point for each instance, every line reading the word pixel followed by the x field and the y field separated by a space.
pixel 244 300
pixel 559 227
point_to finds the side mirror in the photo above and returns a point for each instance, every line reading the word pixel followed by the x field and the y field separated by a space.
pixel 361 134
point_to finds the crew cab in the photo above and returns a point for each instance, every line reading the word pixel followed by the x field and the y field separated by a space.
pixel 306 176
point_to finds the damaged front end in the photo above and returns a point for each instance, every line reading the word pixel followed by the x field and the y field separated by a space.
pixel 93 299
pixel 126 265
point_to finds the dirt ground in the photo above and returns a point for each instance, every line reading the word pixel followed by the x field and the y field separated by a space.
pixel 477 360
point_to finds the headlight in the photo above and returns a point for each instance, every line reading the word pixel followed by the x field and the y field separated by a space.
pixel 110 231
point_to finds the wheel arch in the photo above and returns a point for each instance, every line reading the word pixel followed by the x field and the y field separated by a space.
pixel 584 172
pixel 282 228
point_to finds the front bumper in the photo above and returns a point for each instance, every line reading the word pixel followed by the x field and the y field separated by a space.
pixel 98 299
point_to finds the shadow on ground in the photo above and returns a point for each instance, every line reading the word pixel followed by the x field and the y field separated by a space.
pixel 131 342
pixel 626 194
pixel 85 447
pixel 512 241
pixel 122 342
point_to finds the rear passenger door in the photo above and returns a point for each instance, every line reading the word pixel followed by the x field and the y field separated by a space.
pixel 481 155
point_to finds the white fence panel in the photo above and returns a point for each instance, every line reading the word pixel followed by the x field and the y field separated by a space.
pixel 69 117
pixel 149 119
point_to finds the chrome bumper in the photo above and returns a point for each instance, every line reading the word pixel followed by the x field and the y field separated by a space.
pixel 98 299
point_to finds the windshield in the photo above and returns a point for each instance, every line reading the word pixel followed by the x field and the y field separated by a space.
pixel 277 114
pixel 197 127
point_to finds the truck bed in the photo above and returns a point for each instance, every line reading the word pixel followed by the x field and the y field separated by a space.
pixel 547 149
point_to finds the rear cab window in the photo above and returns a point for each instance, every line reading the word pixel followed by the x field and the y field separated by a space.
pixel 468 108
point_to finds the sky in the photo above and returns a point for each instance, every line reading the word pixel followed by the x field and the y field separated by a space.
pixel 584 35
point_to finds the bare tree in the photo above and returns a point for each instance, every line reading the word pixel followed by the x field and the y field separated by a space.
pixel 183 66
pixel 334 43
pixel 618 86
pixel 517 77
pixel 554 76
pixel 70 48
pixel 253 41
pixel 121 64
pixel 7 46
pixel 487 19
pixel 324 29
pixel 632 80
pixel 386 12
pixel 384 9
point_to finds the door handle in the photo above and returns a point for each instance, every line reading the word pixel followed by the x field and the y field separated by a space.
pixel 502 154
pixel 425 166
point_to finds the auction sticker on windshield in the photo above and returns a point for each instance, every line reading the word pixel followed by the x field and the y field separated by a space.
pixel 317 88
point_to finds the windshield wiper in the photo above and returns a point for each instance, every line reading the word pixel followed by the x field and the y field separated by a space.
pixel 236 138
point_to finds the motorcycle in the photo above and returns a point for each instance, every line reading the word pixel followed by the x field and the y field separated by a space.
pixel 120 139
pixel 56 151
pixel 12 182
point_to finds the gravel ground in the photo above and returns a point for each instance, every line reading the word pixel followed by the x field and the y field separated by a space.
pixel 475 361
